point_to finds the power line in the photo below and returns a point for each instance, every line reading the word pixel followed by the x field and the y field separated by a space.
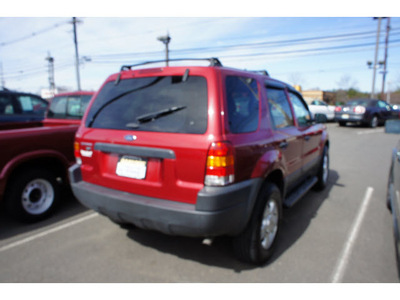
pixel 33 34
pixel 238 46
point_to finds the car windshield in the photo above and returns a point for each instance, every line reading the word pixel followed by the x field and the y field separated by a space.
pixel 364 103
pixel 160 104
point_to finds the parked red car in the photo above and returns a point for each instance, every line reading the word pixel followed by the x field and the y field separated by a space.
pixel 199 151
pixel 35 157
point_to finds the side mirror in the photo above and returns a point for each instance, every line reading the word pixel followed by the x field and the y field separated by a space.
pixel 392 126
pixel 320 118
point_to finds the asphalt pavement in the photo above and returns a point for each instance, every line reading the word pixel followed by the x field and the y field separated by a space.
pixel 342 234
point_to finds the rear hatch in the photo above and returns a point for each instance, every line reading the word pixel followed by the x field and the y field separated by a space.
pixel 147 133
pixel 352 109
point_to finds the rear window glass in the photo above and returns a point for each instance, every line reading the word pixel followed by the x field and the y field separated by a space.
pixel 160 104
pixel 364 103
pixel 68 107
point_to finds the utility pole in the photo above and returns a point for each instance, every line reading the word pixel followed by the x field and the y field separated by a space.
pixel 386 55
pixel 78 79
pixel 52 85
pixel 165 39
pixel 376 57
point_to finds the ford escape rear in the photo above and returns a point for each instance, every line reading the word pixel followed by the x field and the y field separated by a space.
pixel 199 151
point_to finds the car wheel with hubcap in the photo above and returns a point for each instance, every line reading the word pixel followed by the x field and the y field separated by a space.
pixel 323 172
pixel 257 242
pixel 33 195
pixel 374 122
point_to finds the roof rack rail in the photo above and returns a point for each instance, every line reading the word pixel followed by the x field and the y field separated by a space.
pixel 214 62
pixel 262 72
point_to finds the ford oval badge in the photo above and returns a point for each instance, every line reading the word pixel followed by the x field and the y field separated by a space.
pixel 130 137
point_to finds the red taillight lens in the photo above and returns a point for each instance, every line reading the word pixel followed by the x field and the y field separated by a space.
pixel 359 109
pixel 77 153
pixel 338 109
pixel 220 168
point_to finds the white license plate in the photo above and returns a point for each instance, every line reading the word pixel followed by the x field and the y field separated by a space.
pixel 345 116
pixel 132 167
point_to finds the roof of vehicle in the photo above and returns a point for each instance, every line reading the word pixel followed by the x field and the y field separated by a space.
pixel 7 91
pixel 213 63
pixel 76 93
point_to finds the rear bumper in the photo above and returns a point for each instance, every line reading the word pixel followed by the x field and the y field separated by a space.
pixel 350 118
pixel 218 211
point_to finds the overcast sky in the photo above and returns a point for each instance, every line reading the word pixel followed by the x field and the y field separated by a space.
pixel 316 52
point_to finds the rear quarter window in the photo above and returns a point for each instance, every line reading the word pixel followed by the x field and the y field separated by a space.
pixel 159 104
pixel 243 104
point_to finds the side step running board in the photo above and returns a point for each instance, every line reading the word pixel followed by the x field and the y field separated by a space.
pixel 299 192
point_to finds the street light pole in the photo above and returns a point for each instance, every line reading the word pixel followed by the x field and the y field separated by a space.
pixel 386 55
pixel 376 58
pixel 78 79
pixel 165 40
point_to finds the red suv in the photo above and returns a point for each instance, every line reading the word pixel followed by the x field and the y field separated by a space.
pixel 199 151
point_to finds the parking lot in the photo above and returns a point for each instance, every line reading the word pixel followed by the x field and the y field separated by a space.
pixel 342 234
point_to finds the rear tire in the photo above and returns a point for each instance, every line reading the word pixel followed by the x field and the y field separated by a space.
pixel 342 124
pixel 323 171
pixel 374 122
pixel 257 242
pixel 32 195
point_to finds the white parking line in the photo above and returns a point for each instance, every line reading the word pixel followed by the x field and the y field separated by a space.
pixel 370 131
pixel 344 257
pixel 47 232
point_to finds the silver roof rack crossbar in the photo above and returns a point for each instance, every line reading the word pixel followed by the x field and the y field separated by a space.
pixel 262 72
pixel 214 62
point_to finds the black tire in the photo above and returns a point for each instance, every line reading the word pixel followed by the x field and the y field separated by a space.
pixel 32 195
pixel 389 190
pixel 323 171
pixel 342 124
pixel 254 245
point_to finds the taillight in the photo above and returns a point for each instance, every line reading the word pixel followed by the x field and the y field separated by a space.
pixel 82 150
pixel 77 153
pixel 220 168
pixel 338 109
pixel 359 109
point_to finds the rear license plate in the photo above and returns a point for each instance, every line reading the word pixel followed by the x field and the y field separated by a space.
pixel 132 167
pixel 345 116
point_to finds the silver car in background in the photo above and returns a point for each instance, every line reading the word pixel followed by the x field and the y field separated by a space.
pixel 321 107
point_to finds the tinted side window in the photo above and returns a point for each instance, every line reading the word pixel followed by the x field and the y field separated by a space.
pixel 279 108
pixel 72 107
pixel 302 114
pixel 31 104
pixel 243 103
pixel 383 104
pixel 58 107
pixel 6 106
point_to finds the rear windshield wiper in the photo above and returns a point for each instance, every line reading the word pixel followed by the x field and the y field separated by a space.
pixel 120 96
pixel 155 115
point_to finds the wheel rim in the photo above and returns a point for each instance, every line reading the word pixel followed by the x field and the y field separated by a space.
pixel 37 196
pixel 269 224
pixel 374 122
pixel 325 168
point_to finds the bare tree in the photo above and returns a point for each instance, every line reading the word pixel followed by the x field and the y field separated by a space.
pixel 346 83
pixel 297 79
